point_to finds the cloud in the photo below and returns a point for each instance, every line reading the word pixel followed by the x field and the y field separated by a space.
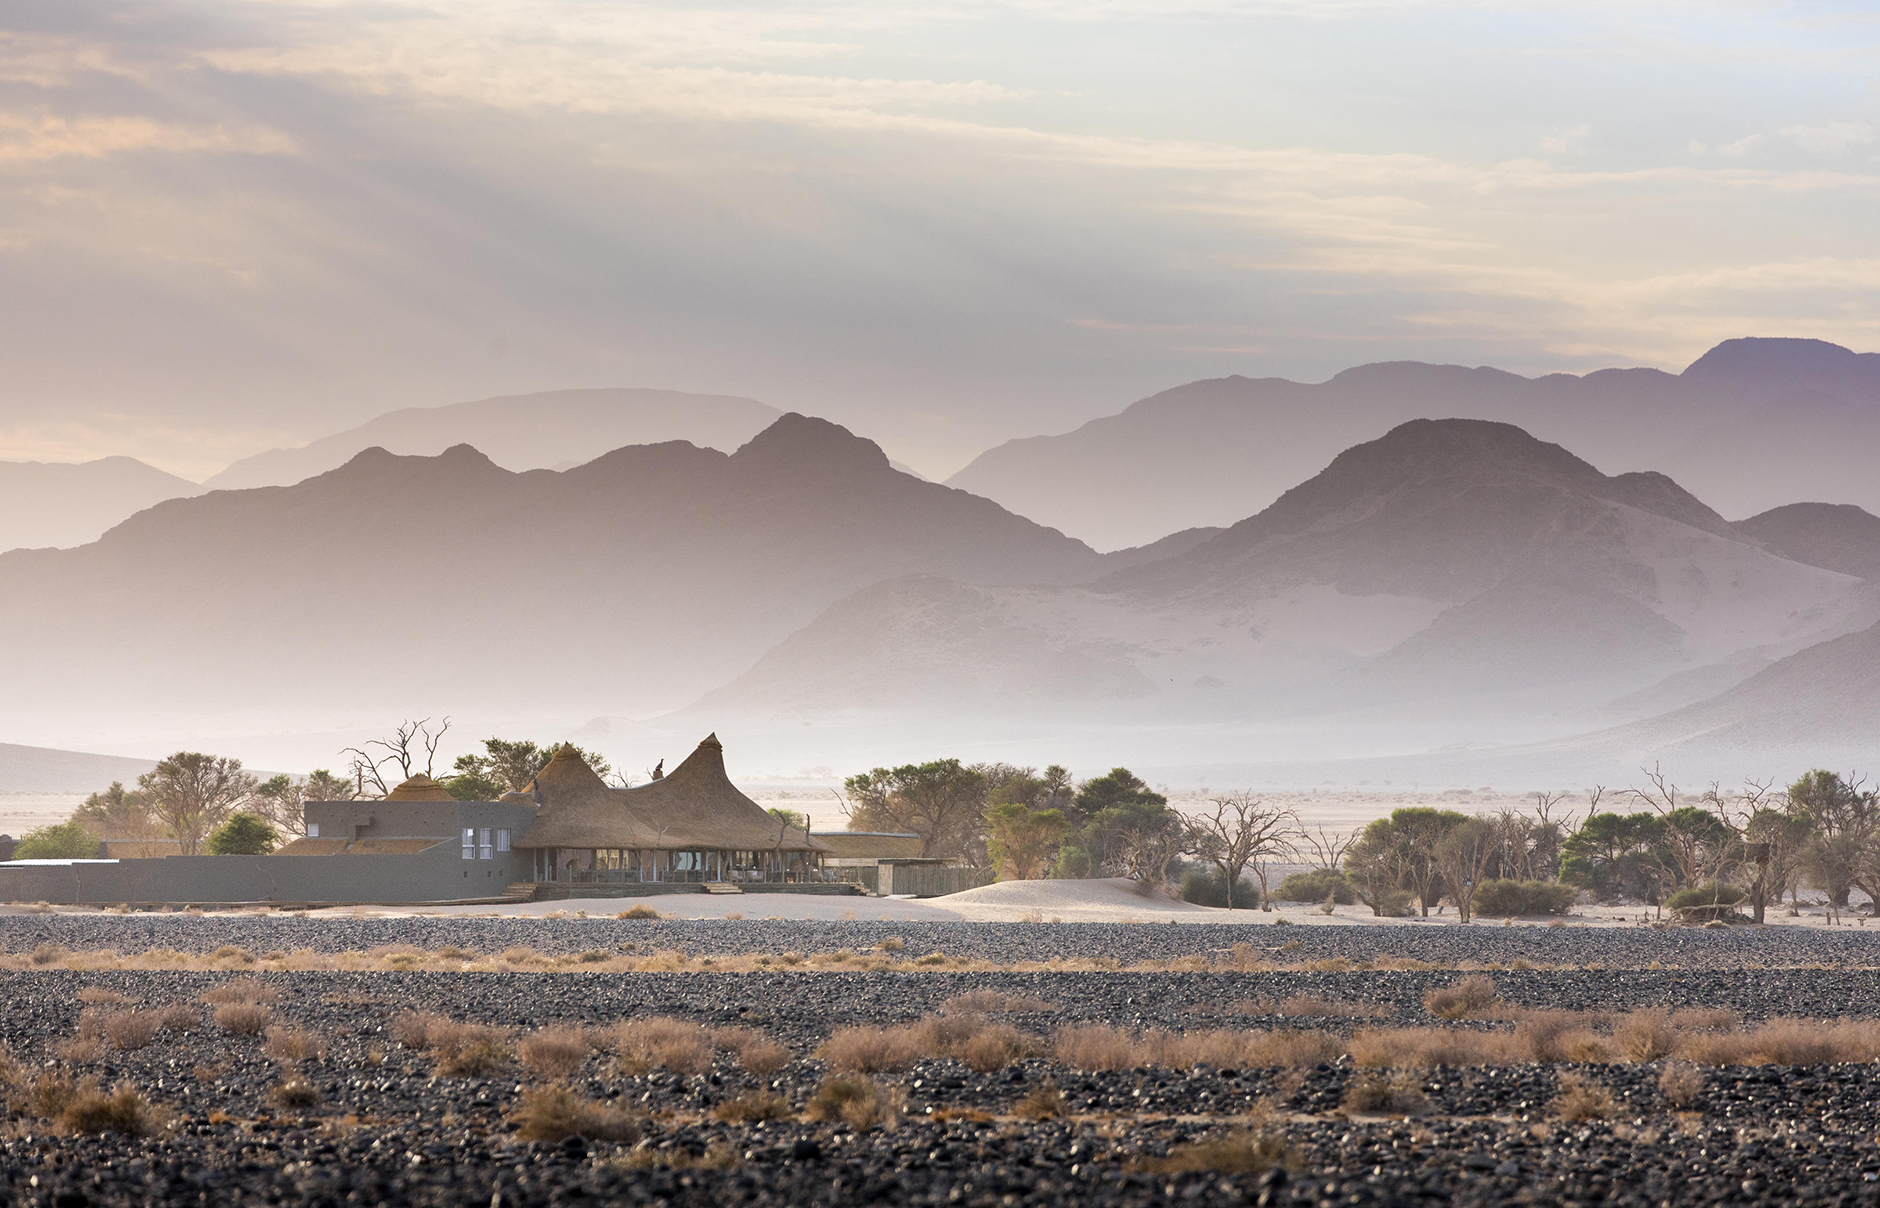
pixel 26 138
pixel 1831 138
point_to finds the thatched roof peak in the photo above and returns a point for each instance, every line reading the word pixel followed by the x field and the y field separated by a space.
pixel 420 788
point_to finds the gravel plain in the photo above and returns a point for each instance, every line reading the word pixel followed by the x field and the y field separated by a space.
pixel 387 1128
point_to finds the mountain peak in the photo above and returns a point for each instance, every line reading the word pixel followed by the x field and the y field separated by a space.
pixel 1762 360
pixel 803 442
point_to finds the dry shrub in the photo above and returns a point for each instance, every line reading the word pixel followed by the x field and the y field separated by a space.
pixel 243 1018
pixel 555 1113
pixel 229 952
pixel 1681 1083
pixel 98 996
pixel 1580 1099
pixel 555 1053
pixel 638 912
pixel 870 1050
pixel 1399 1093
pixel 81 1048
pixel 1645 1035
pixel 1785 1042
pixel 1425 1047
pixel 1556 1036
pixel 992 1048
pixel 993 1000
pixel 90 1110
pixel 294 1044
pixel 754 1108
pixel 242 990
pixel 50 1091
pixel 49 954
pixel 756 1052
pixel 470 1050
pixel 861 1103
pixel 893 943
pixel 295 1092
pixel 1093 1047
pixel 179 1017
pixel 1704 1019
pixel 1234 1153
pixel 412 1029
pixel 677 1044
pixel 129 1030
pixel 12 1073
pixel 1463 997
pixel 1044 1102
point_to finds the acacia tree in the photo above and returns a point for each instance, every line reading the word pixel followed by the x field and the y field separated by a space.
pixel 122 814
pixel 1462 855
pixel 192 794
pixel 1242 830
pixel 281 801
pixel 942 801
pixel 1021 841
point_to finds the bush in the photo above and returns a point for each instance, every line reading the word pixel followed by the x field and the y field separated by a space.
pixel 243 1019
pixel 1706 902
pixel 59 841
pixel 1580 1100
pixel 1506 899
pixel 1044 1102
pixel 1316 886
pixel 861 1103
pixel 243 835
pixel 1464 996
pixel 555 1053
pixel 1397 1094
pixel 754 1108
pixel 130 1030
pixel 1208 888
pixel 679 1045
pixel 555 1113
pixel 90 1110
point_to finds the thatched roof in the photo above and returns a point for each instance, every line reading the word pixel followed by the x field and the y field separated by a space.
pixel 420 788
pixel 693 806
pixel 304 846
pixel 870 845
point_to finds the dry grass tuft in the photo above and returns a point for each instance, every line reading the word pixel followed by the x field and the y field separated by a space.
pixel 98 996
pixel 557 1054
pixel 1461 998
pixel 756 1052
pixel 1580 1099
pixel 89 1110
pixel 294 1044
pixel 1682 1084
pixel 243 1018
pixel 861 1103
pixel 295 1092
pixel 1044 1102
pixel 129 1030
pixel 48 1093
pixel 1428 1047
pixel 1785 1042
pixel 555 1113
pixel 1093 1047
pixel 676 1044
pixel 638 912
pixel 871 1050
pixel 754 1108
pixel 49 954
pixel 471 1050
pixel 1645 1035
pixel 992 1000
pixel 80 1049
pixel 1234 1153
pixel 1399 1093
pixel 242 990
pixel 412 1029
pixel 179 1017
pixel 992 1048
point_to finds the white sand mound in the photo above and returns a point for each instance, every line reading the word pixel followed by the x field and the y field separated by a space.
pixel 1111 900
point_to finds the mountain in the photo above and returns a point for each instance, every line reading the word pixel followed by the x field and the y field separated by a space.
pixel 1751 424
pixel 45 770
pixel 425 584
pixel 1451 568
pixel 1838 536
pixel 65 504
pixel 556 428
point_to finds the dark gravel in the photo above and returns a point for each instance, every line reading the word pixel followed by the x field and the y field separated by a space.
pixel 388 1131
pixel 1687 947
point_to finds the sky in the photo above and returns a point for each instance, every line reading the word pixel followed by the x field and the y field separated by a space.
pixel 227 225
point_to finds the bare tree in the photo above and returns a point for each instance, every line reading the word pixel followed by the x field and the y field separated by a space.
pixel 192 794
pixel 1329 848
pixel 402 750
pixel 1242 830
pixel 1144 855
pixel 1462 855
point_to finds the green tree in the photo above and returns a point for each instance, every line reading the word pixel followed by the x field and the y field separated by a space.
pixel 68 840
pixel 1022 841
pixel 1617 855
pixel 282 800
pixel 791 818
pixel 509 765
pixel 1119 825
pixel 942 801
pixel 243 835
pixel 192 794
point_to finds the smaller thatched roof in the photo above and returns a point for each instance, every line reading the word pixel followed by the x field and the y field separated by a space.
pixel 693 806
pixel 870 845
pixel 357 847
pixel 420 788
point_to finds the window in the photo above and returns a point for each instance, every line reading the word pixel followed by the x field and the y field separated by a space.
pixel 313 830
pixel 502 838
pixel 485 841
pixel 469 842
pixel 688 861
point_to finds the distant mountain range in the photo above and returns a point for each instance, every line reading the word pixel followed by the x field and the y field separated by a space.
pixel 1453 568
pixel 625 584
pixel 71 503
pixel 44 770
pixel 555 429
pixel 1752 424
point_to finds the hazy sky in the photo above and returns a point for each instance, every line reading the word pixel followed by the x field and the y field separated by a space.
pixel 230 224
